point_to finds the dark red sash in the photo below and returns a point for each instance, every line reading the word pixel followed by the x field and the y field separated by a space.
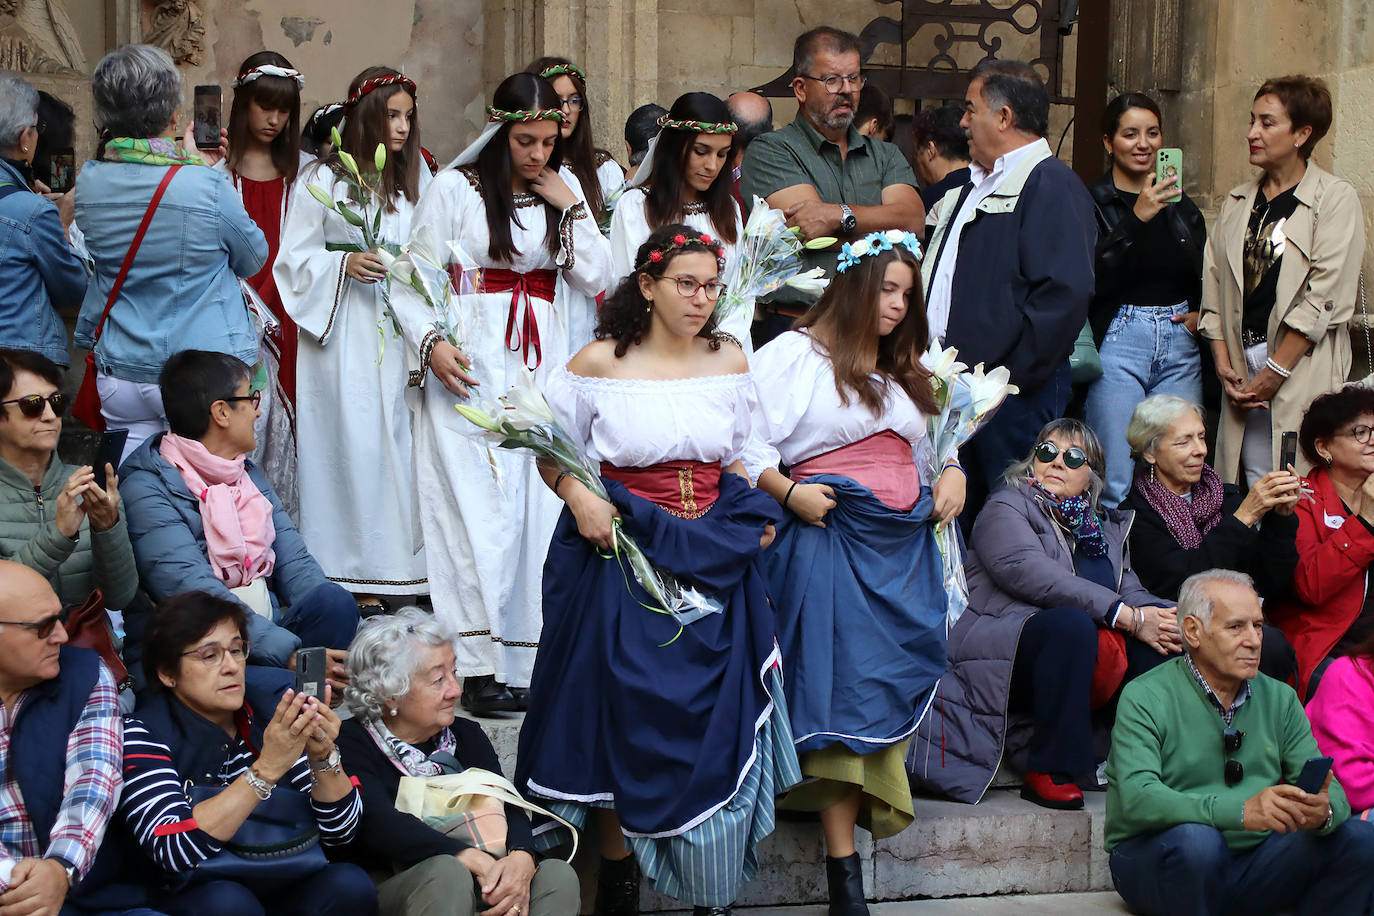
pixel 522 331
pixel 683 488
pixel 882 462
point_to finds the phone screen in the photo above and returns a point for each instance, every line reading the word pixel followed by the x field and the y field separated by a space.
pixel 1288 451
pixel 207 109
pixel 63 170
pixel 310 671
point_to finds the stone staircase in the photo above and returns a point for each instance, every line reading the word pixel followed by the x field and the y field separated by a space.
pixel 1002 846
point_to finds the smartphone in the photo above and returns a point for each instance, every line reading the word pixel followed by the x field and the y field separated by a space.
pixel 63 170
pixel 110 451
pixel 207 109
pixel 1169 164
pixel 1288 451
pixel 1313 775
pixel 312 670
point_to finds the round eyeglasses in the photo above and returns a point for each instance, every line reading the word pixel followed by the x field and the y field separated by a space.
pixel 1074 457
pixel 687 287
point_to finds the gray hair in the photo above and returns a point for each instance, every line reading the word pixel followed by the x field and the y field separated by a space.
pixel 18 109
pixel 1152 419
pixel 1018 86
pixel 137 91
pixel 1022 471
pixel 383 658
pixel 1195 601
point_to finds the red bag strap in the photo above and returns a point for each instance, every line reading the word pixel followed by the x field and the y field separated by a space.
pixel 133 249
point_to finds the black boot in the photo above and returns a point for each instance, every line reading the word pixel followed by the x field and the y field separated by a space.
pixel 617 887
pixel 482 696
pixel 846 882
pixel 713 910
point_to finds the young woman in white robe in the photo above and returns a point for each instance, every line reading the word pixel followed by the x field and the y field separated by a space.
pixel 685 178
pixel 486 516
pixel 354 441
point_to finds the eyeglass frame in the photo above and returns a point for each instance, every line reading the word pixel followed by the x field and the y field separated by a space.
pixel 59 408
pixel 696 285
pixel 568 102
pixel 858 79
pixel 220 652
pixel 1354 433
pixel 255 397
pixel 1071 462
pixel 42 628
pixel 1233 771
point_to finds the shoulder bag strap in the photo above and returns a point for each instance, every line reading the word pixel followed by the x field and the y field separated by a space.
pixel 133 249
pixel 1364 310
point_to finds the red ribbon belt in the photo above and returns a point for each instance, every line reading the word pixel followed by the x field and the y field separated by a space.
pixel 683 488
pixel 522 331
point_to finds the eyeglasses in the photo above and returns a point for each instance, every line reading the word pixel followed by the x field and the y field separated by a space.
pixel 836 84
pixel 213 656
pixel 31 405
pixel 1230 741
pixel 572 103
pixel 687 287
pixel 1074 457
pixel 1361 433
pixel 255 398
pixel 39 126
pixel 42 628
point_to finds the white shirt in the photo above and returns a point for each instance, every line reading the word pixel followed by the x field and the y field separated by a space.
pixel 984 183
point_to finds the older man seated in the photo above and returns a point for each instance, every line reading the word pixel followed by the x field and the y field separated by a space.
pixel 1201 813
pixel 202 517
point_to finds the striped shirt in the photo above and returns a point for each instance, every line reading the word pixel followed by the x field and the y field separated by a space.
pixel 90 786
pixel 158 811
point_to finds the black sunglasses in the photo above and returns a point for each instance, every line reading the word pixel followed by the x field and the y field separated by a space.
pixel 42 628
pixel 1074 457
pixel 31 405
pixel 1231 740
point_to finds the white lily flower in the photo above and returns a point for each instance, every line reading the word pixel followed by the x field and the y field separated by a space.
pixel 758 217
pixel 401 269
pixel 525 407
pixel 811 281
pixel 386 257
pixel 424 246
pixel 942 363
pixel 989 389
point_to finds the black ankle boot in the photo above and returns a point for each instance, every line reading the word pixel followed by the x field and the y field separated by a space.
pixel 483 696
pixel 846 881
pixel 713 910
pixel 617 887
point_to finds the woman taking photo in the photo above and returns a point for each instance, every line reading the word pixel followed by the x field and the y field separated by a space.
pixel 486 518
pixel 1276 317
pixel 685 179
pixel 1149 283
pixel 1057 621
pixel 674 738
pixel 353 425
pixel 855 572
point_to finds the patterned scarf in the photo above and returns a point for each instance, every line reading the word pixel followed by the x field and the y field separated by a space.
pixel 1187 522
pixel 408 758
pixel 1076 514
pixel 152 151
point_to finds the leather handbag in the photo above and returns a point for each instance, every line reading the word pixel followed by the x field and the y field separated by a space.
pixel 278 844
pixel 88 627
pixel 86 407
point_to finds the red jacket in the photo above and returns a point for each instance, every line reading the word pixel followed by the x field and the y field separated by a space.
pixel 1334 554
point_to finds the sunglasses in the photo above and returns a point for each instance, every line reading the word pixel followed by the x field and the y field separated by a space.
pixel 31 405
pixel 1231 740
pixel 42 628
pixel 1074 457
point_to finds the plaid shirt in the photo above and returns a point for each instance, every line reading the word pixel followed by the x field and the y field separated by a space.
pixel 1242 694
pixel 90 786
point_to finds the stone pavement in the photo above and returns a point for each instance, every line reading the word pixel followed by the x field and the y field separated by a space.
pixel 1095 904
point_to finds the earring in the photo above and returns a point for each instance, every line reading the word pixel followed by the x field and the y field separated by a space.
pixel 1152 473
pixel 391 712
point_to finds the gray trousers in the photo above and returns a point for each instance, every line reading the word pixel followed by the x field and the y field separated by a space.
pixel 442 886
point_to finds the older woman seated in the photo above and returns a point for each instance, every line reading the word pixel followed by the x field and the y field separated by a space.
pixel 210 720
pixel 1331 608
pixel 1187 521
pixel 1056 622
pixel 402 696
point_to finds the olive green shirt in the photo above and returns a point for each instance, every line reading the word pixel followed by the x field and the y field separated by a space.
pixel 798 154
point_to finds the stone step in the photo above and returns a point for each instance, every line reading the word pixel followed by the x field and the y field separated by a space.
pixel 1100 903
pixel 1004 845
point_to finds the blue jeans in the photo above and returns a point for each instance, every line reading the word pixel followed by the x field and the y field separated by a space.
pixel 338 890
pixel 1188 870
pixel 327 616
pixel 1144 353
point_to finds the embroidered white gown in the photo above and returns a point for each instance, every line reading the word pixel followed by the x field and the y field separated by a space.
pixel 352 422
pixel 486 514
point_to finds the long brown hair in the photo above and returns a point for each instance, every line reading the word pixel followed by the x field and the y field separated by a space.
pixel 667 185
pixel 517 92
pixel 847 318
pixel 365 126
pixel 272 93
pixel 579 152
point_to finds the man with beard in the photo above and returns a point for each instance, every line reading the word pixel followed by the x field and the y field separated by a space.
pixel 829 179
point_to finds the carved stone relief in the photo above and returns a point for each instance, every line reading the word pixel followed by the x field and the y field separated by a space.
pixel 177 26
pixel 36 36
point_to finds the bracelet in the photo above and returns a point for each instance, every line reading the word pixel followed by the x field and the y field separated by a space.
pixel 1139 621
pixel 955 466
pixel 1276 368
pixel 558 481
pixel 789 494
pixel 261 787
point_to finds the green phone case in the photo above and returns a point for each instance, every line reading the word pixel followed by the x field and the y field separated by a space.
pixel 1169 162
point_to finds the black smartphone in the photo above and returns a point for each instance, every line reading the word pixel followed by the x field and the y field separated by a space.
pixel 312 670
pixel 1288 451
pixel 110 451
pixel 63 170
pixel 207 109
pixel 1313 775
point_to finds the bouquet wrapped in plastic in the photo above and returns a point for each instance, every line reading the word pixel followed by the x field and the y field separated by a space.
pixel 437 273
pixel 966 400
pixel 768 257
pixel 522 419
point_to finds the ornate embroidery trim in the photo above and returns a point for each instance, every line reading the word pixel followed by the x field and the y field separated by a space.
pixel 338 295
pixel 418 376
pixel 565 234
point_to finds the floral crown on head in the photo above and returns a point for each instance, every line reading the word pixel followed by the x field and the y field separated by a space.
pixel 876 242
pixel 699 127
pixel 377 82
pixel 289 73
pixel 680 241
pixel 527 114
pixel 549 73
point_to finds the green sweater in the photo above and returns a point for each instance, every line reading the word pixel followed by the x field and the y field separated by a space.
pixel 1166 762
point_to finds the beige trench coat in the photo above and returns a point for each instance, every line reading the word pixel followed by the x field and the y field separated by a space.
pixel 1317 295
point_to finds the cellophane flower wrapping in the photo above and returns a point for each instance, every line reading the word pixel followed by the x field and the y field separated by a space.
pixel 966 400
pixel 768 257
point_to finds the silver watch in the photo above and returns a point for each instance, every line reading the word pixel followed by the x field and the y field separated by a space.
pixel 261 787
pixel 848 221
pixel 329 763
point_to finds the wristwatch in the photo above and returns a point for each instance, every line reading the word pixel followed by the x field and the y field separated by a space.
pixel 848 221
pixel 261 787
pixel 69 869
pixel 329 763
pixel 1330 817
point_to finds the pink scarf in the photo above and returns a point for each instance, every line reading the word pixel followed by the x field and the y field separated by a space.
pixel 237 517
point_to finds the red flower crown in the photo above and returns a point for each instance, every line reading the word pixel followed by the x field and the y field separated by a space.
pixel 680 241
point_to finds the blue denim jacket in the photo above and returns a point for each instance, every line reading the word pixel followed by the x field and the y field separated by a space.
pixel 182 291
pixel 39 271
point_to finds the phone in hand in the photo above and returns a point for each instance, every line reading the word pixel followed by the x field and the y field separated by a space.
pixel 1313 775
pixel 1169 164
pixel 207 117
pixel 312 671
pixel 1288 451
pixel 110 451
pixel 63 171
